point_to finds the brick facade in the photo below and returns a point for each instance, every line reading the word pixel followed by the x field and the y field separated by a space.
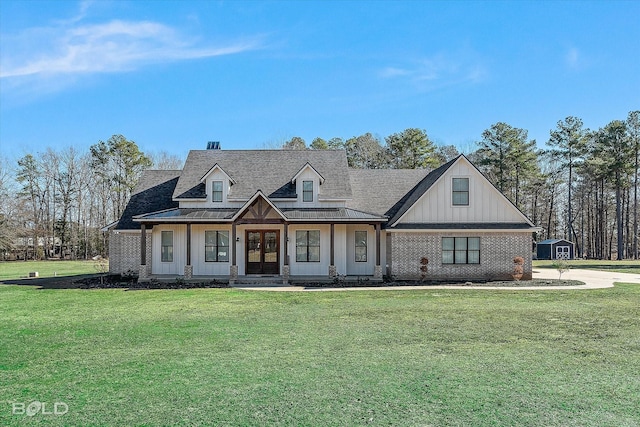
pixel 124 253
pixel 497 251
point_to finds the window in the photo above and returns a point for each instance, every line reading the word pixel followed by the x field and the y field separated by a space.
pixel 461 250
pixel 361 246
pixel 216 246
pixel 307 191
pixel 460 195
pixel 308 246
pixel 217 191
pixel 166 251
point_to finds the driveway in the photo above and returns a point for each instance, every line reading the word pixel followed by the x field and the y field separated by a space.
pixel 593 279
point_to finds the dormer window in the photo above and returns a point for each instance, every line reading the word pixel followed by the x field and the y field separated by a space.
pixel 216 191
pixel 307 191
pixel 460 195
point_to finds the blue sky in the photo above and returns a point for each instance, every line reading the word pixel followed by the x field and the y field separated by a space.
pixel 171 75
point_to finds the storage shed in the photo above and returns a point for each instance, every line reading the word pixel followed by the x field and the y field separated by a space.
pixel 555 249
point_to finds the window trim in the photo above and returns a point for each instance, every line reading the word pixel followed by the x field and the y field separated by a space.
pixel 214 191
pixel 454 191
pixel 306 192
pixel 163 252
pixel 307 245
pixel 365 246
pixel 455 251
pixel 216 245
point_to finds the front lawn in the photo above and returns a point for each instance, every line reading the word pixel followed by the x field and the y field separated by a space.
pixel 21 269
pixel 228 357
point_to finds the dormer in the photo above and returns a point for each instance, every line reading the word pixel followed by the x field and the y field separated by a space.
pixel 307 181
pixel 218 185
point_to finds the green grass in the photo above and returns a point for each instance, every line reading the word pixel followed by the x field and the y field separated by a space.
pixel 624 266
pixel 21 269
pixel 228 357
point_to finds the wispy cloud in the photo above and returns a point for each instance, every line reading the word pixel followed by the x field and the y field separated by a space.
pixel 572 57
pixel 73 48
pixel 438 70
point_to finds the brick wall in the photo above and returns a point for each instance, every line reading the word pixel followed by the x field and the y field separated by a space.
pixel 124 253
pixel 497 251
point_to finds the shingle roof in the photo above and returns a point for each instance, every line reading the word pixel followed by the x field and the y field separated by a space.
pixel 153 193
pixel 379 190
pixel 268 170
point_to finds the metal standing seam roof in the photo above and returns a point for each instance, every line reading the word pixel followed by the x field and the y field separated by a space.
pixel 226 215
pixel 465 226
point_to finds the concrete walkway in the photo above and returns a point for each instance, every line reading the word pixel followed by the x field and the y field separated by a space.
pixel 593 279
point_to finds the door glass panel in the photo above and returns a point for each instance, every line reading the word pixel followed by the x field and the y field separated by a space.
pixel 270 247
pixel 254 247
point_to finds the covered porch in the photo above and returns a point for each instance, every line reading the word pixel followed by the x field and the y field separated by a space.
pixel 255 243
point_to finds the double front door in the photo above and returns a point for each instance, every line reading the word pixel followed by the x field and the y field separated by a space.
pixel 263 252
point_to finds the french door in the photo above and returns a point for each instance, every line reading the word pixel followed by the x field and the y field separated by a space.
pixel 263 252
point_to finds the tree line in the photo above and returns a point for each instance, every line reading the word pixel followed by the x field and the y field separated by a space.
pixel 56 202
pixel 583 186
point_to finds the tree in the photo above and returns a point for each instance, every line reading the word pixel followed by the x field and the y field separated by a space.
pixel 365 152
pixel 612 145
pixel 445 153
pixel 295 143
pixel 319 144
pixel 411 149
pixel 336 144
pixel 508 158
pixel 30 176
pixel 633 131
pixel 569 143
pixel 120 162
pixel 7 226
pixel 165 161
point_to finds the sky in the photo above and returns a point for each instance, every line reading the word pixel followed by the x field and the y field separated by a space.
pixel 172 75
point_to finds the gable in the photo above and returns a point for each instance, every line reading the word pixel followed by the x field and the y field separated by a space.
pixel 486 203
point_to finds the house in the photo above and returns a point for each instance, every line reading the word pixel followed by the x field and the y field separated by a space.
pixel 555 249
pixel 305 215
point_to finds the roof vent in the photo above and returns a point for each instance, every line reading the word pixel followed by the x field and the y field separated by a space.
pixel 213 145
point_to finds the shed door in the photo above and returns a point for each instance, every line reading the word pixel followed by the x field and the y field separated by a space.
pixel 562 252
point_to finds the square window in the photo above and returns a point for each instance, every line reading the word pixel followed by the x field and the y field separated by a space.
pixel 461 250
pixel 216 246
pixel 308 246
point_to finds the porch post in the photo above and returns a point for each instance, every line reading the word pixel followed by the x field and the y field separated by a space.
pixel 143 273
pixel 286 269
pixel 332 265
pixel 233 269
pixel 377 274
pixel 188 269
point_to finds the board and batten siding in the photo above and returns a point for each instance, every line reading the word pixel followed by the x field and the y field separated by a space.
pixel 179 250
pixel 486 204
pixel 200 266
pixel 361 268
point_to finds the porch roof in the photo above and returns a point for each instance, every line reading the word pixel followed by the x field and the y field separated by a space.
pixel 181 215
